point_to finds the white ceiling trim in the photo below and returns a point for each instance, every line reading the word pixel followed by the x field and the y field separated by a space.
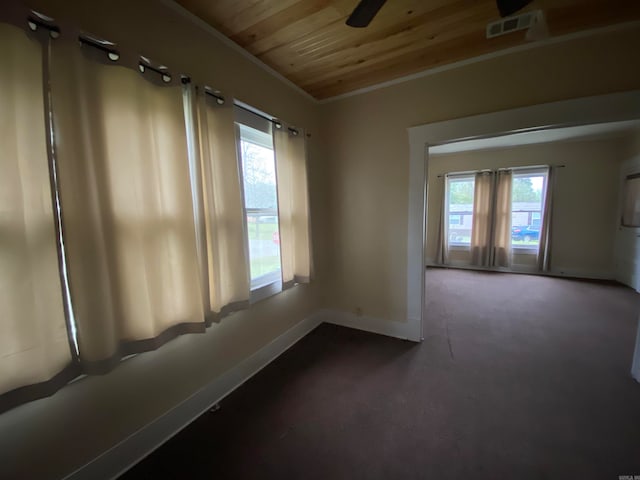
pixel 234 46
pixel 487 56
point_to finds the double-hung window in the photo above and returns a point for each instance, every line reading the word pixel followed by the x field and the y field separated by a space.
pixel 459 209
pixel 527 208
pixel 259 184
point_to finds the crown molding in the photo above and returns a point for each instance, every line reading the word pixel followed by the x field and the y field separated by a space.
pixel 487 56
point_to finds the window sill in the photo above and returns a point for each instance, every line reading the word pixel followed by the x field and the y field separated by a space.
pixel 265 291
pixel 460 248
pixel 525 250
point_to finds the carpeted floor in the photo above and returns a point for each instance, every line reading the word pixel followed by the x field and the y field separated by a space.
pixel 519 377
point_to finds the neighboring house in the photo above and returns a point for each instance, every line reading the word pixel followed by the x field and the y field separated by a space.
pixel 461 218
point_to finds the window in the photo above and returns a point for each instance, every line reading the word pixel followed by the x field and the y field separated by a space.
pixel 527 205
pixel 459 209
pixel 258 171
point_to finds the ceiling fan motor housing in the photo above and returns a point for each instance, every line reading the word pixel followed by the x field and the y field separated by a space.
pixel 364 13
pixel 509 7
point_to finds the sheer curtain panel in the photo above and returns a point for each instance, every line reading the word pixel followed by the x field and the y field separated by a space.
pixel 481 227
pixel 121 149
pixel 502 220
pixel 35 354
pixel 224 258
pixel 293 207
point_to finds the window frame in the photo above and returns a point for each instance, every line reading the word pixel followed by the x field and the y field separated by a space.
pixel 448 178
pixel 530 172
pixel 269 284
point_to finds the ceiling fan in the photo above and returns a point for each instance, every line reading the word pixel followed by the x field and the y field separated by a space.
pixel 367 9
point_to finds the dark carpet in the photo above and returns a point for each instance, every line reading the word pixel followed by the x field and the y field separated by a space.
pixel 519 377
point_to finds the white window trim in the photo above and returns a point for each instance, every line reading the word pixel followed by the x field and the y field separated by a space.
pixel 269 284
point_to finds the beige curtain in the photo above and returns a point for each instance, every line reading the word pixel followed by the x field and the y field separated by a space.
pixel 35 352
pixel 482 219
pixel 544 249
pixel 126 205
pixel 502 220
pixel 224 259
pixel 442 255
pixel 293 207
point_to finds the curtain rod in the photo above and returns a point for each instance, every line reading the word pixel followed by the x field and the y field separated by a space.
pixel 112 52
pixel 37 20
pixel 500 169
pixel 220 100
pixel 95 43
pixel 276 123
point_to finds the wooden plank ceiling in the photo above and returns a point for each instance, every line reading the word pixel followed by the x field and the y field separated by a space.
pixel 308 42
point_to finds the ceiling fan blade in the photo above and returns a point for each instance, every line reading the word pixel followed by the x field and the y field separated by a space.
pixel 364 13
pixel 509 7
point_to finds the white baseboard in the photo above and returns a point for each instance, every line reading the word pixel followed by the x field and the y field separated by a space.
pixel 134 448
pixel 131 450
pixel 137 446
pixel 402 330
pixel 556 272
pixel 585 274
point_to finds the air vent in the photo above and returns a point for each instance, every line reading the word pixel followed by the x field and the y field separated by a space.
pixel 512 24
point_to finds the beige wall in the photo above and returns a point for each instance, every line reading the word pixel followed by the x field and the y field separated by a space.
pixel 369 150
pixel 584 205
pixel 52 437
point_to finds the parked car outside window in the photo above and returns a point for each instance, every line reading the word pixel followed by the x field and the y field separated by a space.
pixel 526 233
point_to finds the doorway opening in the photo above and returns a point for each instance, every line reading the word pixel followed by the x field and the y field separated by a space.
pixel 545 119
